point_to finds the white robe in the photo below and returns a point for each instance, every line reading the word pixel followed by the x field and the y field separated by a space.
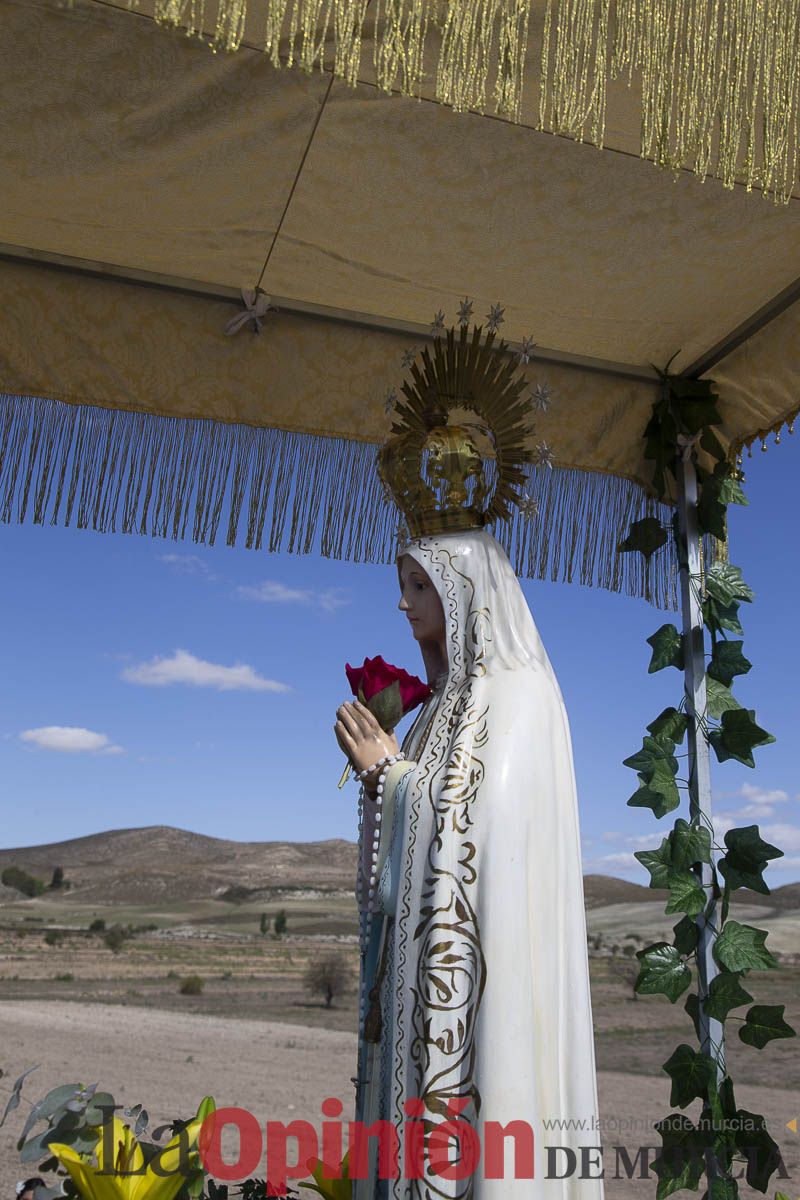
pixel 486 997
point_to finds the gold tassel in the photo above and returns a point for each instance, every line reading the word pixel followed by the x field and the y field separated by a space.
pixel 720 79
pixel 175 478
pixel 574 68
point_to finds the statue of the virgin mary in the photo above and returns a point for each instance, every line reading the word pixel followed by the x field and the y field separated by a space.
pixel 475 1002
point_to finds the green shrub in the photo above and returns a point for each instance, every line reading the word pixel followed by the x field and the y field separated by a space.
pixel 54 937
pixel 29 885
pixel 65 977
pixel 116 938
pixel 192 985
pixel 98 925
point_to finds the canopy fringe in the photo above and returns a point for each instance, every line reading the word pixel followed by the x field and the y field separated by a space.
pixel 117 471
pixel 719 79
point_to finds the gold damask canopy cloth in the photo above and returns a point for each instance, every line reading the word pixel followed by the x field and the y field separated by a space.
pixel 147 181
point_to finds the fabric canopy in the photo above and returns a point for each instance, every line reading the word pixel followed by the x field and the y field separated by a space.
pixel 146 181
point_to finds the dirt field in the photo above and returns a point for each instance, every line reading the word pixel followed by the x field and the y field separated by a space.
pixel 282 1071
pixel 255 1037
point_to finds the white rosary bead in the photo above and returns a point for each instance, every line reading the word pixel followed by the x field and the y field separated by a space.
pixel 386 761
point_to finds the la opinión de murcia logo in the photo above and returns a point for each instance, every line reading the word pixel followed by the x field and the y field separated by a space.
pixel 451 1149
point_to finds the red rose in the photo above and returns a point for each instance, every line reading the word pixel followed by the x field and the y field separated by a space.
pixel 389 692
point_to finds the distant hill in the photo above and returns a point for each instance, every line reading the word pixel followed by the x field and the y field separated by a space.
pixel 130 866
pixel 599 890
pixel 133 866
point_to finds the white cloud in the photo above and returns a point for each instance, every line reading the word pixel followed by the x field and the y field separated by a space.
pixel 187 564
pixel 185 668
pixel 758 796
pixel 622 859
pixel 70 739
pixel 270 591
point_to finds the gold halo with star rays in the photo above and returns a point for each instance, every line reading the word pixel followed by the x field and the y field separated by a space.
pixel 439 474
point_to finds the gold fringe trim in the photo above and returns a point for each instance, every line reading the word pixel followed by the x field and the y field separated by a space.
pixel 787 421
pixel 130 472
pixel 719 79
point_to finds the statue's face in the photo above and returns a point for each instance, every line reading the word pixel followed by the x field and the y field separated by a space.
pixel 420 601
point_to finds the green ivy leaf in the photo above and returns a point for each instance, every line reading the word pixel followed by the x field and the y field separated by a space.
pixel 753 1140
pixel 656 754
pixel 660 802
pixel 685 894
pixel 690 843
pixel 691 1073
pixel 646 536
pixel 670 724
pixel 662 971
pixel 658 863
pixel 711 514
pixel 685 936
pixel 723 1109
pixel 698 411
pixel 680 1163
pixel 713 446
pixel 722 616
pixel 730 490
pixel 719 698
pixel 725 583
pixel 725 992
pixel 727 661
pixel 746 858
pixel 723 1189
pixel 717 490
pixel 738 736
pixel 740 947
pixel 762 1023
pixel 726 1097
pixel 692 1007
pixel 726 899
pixel 667 649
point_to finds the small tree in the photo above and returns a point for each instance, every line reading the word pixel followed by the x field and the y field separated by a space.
pixel 327 977
pixel 53 937
pixel 264 926
pixel 58 877
pixel 280 922
pixel 98 925
pixel 116 938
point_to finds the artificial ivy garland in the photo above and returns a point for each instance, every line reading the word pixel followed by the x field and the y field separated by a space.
pixel 682 424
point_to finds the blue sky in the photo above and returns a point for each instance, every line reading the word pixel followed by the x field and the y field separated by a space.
pixel 206 682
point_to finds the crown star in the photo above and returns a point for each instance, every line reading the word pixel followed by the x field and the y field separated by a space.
pixel 544 455
pixel 529 506
pixel 465 309
pixel 408 358
pixel 389 400
pixel 495 318
pixel 526 350
pixel 437 325
pixel 542 397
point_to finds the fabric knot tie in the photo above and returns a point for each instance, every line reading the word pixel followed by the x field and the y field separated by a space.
pixel 257 305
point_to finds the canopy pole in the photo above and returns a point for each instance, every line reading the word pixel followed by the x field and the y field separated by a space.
pixel 699 765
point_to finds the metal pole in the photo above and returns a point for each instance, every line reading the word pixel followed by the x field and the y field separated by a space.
pixel 711 1030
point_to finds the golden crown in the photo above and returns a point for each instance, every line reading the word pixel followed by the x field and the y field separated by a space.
pixel 436 471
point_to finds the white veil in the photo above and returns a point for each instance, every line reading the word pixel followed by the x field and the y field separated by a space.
pixel 490 1000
